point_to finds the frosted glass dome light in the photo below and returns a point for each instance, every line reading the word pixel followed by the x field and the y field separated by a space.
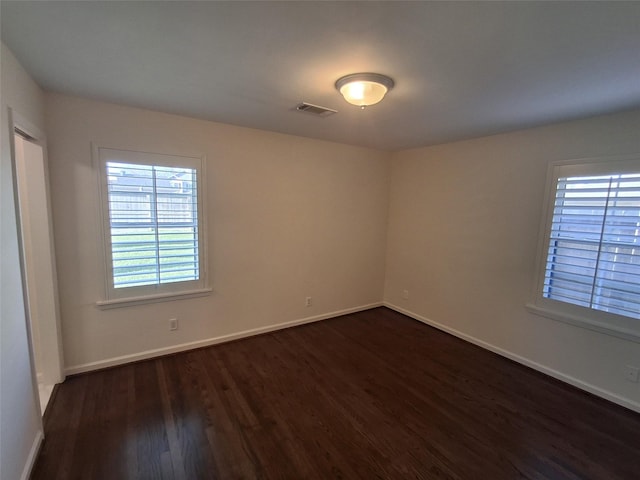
pixel 364 89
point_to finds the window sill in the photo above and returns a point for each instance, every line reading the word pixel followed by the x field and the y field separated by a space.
pixel 579 321
pixel 163 297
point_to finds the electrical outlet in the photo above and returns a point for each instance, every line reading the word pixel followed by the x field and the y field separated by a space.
pixel 173 324
pixel 405 294
pixel 631 373
pixel 307 302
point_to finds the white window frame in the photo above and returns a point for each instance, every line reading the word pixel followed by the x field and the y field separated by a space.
pixel 127 296
pixel 603 322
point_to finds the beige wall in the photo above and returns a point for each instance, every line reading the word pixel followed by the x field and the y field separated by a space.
pixel 462 239
pixel 21 427
pixel 288 217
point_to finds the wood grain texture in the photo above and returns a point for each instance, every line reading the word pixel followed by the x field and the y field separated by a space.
pixel 372 395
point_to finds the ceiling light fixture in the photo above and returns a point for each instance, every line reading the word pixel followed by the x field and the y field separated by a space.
pixel 364 89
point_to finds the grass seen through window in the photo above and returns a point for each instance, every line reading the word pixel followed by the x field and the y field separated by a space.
pixel 136 258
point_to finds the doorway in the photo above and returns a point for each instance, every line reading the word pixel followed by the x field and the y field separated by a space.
pixel 38 262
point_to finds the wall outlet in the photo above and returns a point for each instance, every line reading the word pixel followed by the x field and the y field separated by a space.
pixel 405 294
pixel 631 373
pixel 173 324
pixel 307 302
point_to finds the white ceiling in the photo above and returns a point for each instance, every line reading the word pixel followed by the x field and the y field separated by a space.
pixel 462 69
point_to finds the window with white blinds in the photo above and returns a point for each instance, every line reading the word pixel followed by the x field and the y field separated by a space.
pixel 593 258
pixel 589 271
pixel 153 227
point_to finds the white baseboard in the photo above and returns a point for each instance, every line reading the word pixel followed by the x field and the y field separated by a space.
pixel 625 402
pixel 33 455
pixel 111 362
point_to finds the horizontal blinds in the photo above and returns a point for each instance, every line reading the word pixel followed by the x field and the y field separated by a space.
pixel 593 259
pixel 153 218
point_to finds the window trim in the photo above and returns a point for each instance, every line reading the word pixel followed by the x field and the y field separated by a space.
pixel 604 322
pixel 145 294
pixel 142 300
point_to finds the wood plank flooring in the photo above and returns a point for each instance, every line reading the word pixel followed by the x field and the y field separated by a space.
pixel 373 395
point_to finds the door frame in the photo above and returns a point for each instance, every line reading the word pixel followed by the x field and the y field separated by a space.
pixel 21 126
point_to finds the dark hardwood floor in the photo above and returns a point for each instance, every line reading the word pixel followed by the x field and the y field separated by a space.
pixel 373 395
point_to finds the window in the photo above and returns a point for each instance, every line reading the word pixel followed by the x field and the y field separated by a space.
pixel 590 256
pixel 153 230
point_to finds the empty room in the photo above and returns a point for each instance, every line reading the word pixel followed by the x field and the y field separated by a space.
pixel 315 239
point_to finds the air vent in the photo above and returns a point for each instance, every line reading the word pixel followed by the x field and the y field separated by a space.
pixel 316 110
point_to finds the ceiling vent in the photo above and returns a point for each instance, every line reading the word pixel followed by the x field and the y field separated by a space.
pixel 316 110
